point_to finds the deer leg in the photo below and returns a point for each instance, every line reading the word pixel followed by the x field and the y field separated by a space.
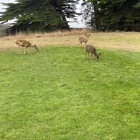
pixel 19 51
pixel 88 54
pixel 85 54
pixel 27 50
pixel 91 56
pixel 24 50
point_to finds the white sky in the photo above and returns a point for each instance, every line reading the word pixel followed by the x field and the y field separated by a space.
pixel 77 24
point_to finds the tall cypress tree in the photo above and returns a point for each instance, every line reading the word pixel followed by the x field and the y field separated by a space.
pixel 39 15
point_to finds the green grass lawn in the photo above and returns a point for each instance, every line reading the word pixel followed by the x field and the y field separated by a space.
pixel 58 94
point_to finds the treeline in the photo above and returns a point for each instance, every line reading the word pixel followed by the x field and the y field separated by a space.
pixel 50 15
pixel 113 15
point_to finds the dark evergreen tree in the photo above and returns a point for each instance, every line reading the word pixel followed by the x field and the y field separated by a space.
pixel 39 15
pixel 114 14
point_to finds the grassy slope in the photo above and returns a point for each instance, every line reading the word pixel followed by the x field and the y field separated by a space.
pixel 58 94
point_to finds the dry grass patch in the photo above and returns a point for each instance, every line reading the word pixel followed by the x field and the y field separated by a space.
pixel 116 40
pixel 120 40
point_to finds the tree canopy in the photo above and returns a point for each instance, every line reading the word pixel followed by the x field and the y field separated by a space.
pixel 42 15
pixel 114 14
pixel 49 15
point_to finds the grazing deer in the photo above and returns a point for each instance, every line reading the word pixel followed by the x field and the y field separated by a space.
pixel 85 40
pixel 25 44
pixel 92 50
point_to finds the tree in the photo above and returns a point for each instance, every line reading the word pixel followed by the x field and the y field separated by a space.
pixel 115 15
pixel 39 15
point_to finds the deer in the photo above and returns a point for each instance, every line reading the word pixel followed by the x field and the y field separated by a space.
pixel 26 44
pixel 92 50
pixel 83 39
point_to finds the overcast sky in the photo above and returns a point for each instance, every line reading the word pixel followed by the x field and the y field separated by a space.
pixel 77 24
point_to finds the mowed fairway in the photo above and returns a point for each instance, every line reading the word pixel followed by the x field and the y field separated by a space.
pixel 58 94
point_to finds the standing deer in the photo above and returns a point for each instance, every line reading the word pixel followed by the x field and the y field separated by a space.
pixel 25 44
pixel 92 50
pixel 83 39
